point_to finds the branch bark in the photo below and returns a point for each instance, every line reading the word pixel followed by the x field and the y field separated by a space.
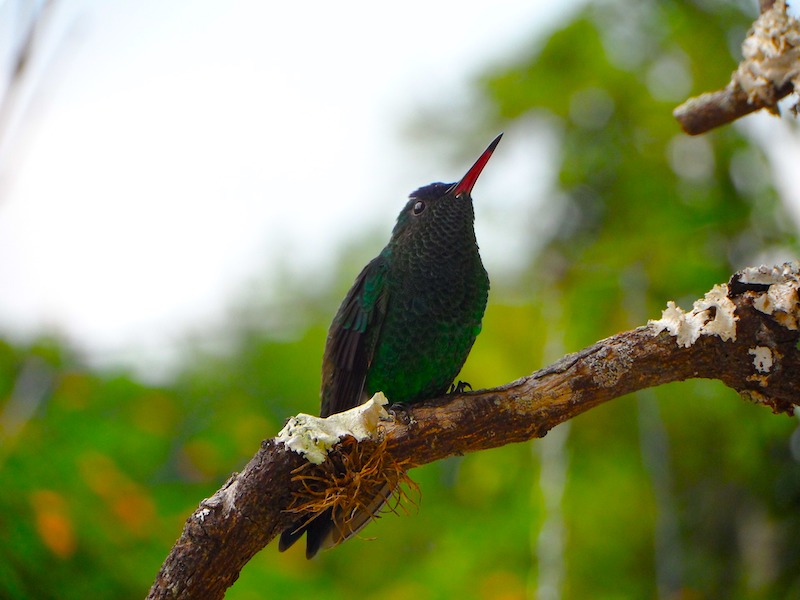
pixel 769 71
pixel 714 109
pixel 744 333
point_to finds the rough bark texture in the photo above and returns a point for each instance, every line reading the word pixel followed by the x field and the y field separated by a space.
pixel 227 529
pixel 762 363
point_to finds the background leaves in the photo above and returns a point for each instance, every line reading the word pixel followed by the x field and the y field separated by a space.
pixel 682 491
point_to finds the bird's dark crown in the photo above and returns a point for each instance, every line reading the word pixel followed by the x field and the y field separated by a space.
pixel 430 191
pixel 432 212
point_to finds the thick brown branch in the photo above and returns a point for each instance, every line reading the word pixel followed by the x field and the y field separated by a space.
pixel 762 363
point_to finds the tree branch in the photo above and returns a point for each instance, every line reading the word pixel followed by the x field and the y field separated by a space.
pixel 769 72
pixel 744 333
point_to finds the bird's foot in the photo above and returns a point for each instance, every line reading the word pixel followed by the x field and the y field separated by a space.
pixel 459 388
pixel 400 411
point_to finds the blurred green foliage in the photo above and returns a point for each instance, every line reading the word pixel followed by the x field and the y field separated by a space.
pixel 680 492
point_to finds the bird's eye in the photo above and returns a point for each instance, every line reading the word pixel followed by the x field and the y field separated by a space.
pixel 418 207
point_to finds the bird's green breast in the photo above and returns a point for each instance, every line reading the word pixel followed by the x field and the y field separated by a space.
pixel 433 316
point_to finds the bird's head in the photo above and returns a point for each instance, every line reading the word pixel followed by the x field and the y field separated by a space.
pixel 441 210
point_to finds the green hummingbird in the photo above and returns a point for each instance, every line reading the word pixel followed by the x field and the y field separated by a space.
pixel 408 323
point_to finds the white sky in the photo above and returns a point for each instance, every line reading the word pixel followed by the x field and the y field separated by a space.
pixel 165 153
pixel 163 156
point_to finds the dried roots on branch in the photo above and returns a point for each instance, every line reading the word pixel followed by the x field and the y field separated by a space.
pixel 349 481
pixel 744 333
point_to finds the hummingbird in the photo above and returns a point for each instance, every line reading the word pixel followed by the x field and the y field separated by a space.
pixel 407 324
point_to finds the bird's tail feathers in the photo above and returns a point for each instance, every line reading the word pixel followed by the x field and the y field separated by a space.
pixel 333 526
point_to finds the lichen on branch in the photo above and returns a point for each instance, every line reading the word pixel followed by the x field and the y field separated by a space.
pixel 743 333
pixel 768 72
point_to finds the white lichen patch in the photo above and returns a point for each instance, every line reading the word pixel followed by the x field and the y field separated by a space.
pixel 762 358
pixel 765 275
pixel 785 302
pixel 771 55
pixel 764 304
pixel 313 437
pixel 711 315
pixel 781 299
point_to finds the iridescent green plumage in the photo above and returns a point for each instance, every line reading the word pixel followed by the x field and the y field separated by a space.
pixel 408 323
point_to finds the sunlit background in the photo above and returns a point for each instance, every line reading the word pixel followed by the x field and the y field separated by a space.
pixel 160 157
pixel 187 190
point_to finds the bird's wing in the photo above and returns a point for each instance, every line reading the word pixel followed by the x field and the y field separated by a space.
pixel 352 339
pixel 349 351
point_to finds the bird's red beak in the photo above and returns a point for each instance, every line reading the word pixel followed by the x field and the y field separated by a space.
pixel 468 181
